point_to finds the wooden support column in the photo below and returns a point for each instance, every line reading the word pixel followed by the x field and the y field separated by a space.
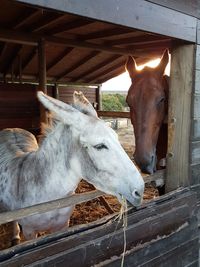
pixel 20 69
pixel 180 95
pixel 56 91
pixel 42 76
pixel 98 97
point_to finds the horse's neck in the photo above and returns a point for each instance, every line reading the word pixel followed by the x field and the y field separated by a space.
pixel 57 158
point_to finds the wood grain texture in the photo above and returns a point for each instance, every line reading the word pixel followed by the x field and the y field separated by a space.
pixel 184 6
pixel 180 94
pixel 68 201
pixel 130 13
pixel 155 235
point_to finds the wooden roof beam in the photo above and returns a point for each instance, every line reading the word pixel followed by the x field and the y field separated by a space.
pixel 69 26
pixel 109 76
pixel 33 39
pixel 139 40
pixel 78 64
pixel 112 68
pixel 59 58
pixel 50 23
pixel 2 49
pixel 26 18
pixel 27 60
pixel 97 67
pixel 11 59
pixel 44 21
pixel 105 33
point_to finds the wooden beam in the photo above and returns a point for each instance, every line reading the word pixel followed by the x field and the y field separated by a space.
pixel 16 53
pixel 102 73
pixel 42 76
pixel 69 26
pixel 97 67
pixel 60 57
pixel 33 39
pixel 78 64
pixel 105 33
pixel 48 206
pixel 25 18
pixel 64 202
pixel 160 19
pixel 181 84
pixel 2 49
pixel 11 58
pixel 113 114
pixel 44 21
pixel 107 76
pixel 27 60
pixel 50 23
pixel 143 39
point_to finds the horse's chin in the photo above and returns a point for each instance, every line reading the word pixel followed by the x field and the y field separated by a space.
pixel 130 200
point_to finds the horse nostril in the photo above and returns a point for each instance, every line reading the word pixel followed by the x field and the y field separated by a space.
pixel 136 194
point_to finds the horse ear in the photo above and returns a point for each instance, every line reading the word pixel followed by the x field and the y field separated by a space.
pixel 83 105
pixel 163 62
pixel 63 111
pixel 131 66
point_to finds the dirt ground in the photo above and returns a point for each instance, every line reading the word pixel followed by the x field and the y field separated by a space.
pixel 94 209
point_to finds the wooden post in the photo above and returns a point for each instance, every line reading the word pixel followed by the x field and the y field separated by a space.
pixel 56 91
pixel 42 76
pixel 98 97
pixel 179 116
pixel 20 69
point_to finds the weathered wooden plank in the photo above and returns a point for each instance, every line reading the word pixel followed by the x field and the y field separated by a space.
pixel 196 106
pixel 131 13
pixel 195 152
pixel 185 254
pixel 195 174
pixel 198 31
pixel 68 201
pixel 195 129
pixel 197 56
pixel 181 82
pixel 164 219
pixel 113 114
pixel 197 81
pixel 184 6
pixel 48 206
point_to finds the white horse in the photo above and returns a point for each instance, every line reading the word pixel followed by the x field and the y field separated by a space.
pixel 77 144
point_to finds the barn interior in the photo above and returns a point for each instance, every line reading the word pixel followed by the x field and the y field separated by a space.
pixel 42 46
pixel 59 52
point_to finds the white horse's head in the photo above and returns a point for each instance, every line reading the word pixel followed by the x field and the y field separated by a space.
pixel 104 162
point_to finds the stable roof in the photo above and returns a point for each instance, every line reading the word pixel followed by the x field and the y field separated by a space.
pixel 78 49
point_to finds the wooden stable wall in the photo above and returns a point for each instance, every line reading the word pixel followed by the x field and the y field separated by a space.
pixel 163 233
pixel 65 93
pixel 19 106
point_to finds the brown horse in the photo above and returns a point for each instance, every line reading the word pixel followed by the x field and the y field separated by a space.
pixel 148 101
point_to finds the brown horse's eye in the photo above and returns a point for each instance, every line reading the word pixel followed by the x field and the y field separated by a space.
pixel 161 100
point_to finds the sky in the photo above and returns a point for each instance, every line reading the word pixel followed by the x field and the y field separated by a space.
pixel 123 82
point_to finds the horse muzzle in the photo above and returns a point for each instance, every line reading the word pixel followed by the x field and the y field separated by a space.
pixel 147 164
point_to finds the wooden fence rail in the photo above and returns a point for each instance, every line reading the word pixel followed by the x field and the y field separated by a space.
pixel 113 114
pixel 67 201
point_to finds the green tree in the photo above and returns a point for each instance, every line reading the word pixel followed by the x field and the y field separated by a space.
pixel 122 99
pixel 110 102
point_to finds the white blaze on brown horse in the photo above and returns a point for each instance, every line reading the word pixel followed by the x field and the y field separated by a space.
pixel 148 101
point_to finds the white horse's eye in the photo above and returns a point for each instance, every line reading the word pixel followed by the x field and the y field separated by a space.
pixel 100 146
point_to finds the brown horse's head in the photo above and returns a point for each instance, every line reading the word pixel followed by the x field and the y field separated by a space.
pixel 147 98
